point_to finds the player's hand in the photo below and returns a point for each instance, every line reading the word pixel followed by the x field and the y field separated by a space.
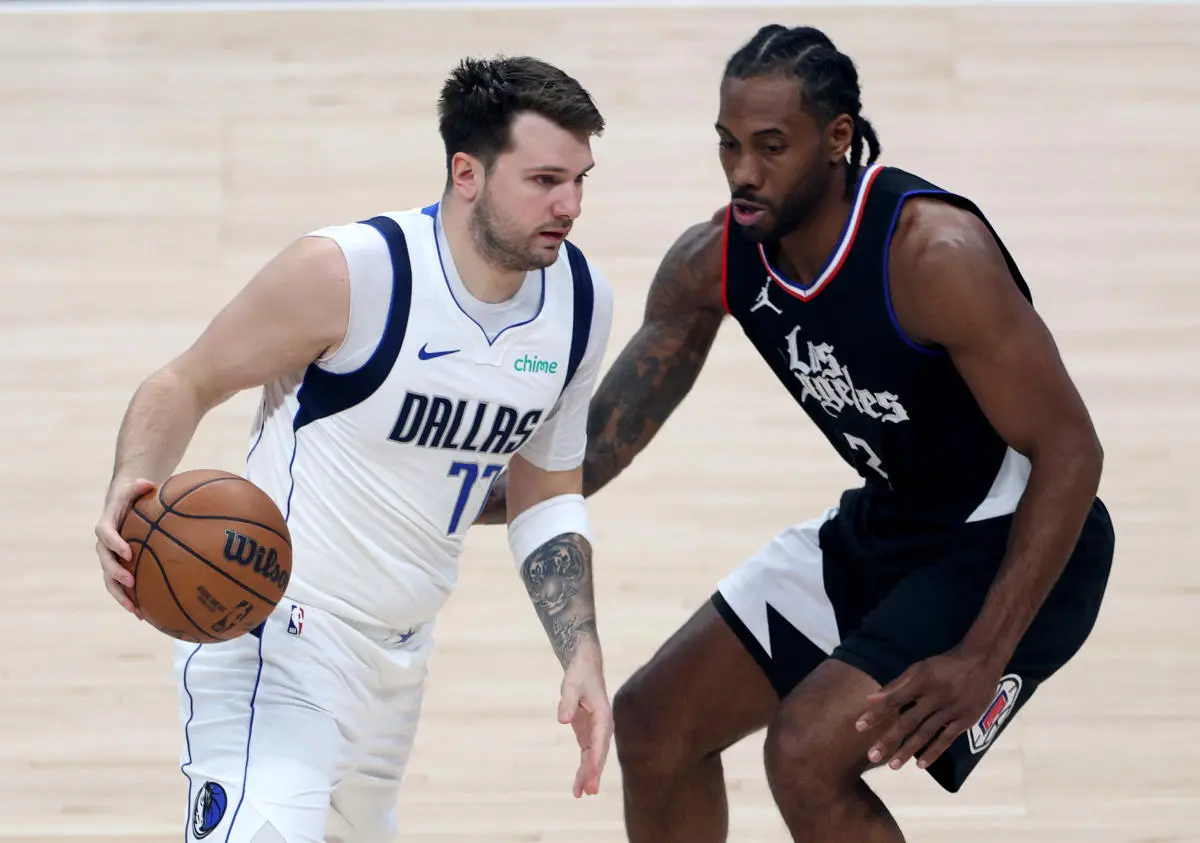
pixel 937 700
pixel 585 705
pixel 111 548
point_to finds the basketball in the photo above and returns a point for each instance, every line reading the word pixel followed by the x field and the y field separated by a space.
pixel 211 555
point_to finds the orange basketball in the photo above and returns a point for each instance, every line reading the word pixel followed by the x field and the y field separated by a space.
pixel 212 555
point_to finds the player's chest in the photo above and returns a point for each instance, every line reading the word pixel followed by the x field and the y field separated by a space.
pixel 836 360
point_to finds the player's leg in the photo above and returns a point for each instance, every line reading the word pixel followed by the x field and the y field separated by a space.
pixel 814 755
pixel 700 693
pixel 716 681
pixel 363 807
pixel 262 743
pixel 815 759
pixel 790 605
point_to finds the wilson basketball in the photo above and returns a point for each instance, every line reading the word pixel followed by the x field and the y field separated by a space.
pixel 211 555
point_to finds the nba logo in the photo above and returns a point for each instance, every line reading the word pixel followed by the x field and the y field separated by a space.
pixel 998 711
pixel 296 621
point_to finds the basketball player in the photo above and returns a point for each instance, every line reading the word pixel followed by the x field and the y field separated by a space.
pixel 920 612
pixel 404 361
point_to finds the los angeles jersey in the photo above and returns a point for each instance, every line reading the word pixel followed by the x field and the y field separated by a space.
pixel 381 454
pixel 899 413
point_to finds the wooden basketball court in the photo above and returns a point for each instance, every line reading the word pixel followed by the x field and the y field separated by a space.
pixel 151 162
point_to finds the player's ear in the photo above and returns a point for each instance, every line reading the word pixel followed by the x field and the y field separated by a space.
pixel 840 134
pixel 466 174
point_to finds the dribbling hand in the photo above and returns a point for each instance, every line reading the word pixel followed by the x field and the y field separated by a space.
pixel 111 548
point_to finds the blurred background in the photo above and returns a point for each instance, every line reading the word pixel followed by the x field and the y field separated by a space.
pixel 154 155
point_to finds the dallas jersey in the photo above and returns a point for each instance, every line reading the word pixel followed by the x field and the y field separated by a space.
pixel 899 413
pixel 381 454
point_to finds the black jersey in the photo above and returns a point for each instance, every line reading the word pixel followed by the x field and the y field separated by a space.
pixel 896 411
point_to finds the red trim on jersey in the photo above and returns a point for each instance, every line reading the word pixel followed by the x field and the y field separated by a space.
pixel 840 251
pixel 725 259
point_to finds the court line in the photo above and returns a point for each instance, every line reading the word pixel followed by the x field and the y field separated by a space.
pixel 28 7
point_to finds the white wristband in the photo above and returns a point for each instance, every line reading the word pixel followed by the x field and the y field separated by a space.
pixel 543 521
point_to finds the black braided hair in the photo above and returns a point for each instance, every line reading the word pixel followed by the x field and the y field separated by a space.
pixel 828 79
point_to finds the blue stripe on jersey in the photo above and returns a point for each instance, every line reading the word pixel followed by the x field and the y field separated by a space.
pixel 324 393
pixel 887 283
pixel 584 297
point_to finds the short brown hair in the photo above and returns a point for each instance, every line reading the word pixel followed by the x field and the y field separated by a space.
pixel 482 97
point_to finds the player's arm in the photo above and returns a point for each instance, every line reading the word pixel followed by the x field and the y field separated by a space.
pixel 550 539
pixel 955 291
pixel 548 536
pixel 290 313
pixel 660 363
pixel 952 289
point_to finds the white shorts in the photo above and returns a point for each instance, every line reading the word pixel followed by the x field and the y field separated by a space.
pixel 307 727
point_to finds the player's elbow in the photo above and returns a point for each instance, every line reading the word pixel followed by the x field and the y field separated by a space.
pixel 1073 452
pixel 177 383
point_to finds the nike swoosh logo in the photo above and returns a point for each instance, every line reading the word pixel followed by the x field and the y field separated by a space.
pixel 425 354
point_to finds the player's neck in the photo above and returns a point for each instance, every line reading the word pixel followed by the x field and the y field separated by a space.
pixel 484 280
pixel 805 250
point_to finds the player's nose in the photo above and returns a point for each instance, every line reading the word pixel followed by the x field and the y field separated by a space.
pixel 746 174
pixel 569 203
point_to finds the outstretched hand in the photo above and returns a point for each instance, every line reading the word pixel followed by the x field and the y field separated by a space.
pixel 937 700
pixel 585 705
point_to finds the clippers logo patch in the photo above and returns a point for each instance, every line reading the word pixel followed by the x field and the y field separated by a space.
pixel 296 621
pixel 208 809
pixel 981 735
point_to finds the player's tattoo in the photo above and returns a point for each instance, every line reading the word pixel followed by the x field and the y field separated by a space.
pixel 558 577
pixel 661 362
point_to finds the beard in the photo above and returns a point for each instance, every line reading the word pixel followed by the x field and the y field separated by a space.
pixel 799 205
pixel 500 243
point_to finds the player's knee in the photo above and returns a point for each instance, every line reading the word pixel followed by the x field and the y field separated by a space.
pixel 803 758
pixel 643 723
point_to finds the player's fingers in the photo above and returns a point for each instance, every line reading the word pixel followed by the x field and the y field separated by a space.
pixel 905 725
pixel 918 737
pixel 107 535
pixel 587 779
pixel 114 571
pixel 940 744
pixel 602 732
pixel 568 703
pixel 121 597
pixel 890 699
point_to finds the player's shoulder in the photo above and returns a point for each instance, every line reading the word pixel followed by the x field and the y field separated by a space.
pixel 701 246
pixel 602 291
pixel 374 227
pixel 929 227
pixel 692 266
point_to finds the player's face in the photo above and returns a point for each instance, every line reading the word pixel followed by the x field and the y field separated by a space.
pixel 532 195
pixel 778 161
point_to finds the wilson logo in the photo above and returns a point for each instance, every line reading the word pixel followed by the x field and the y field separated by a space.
pixel 243 550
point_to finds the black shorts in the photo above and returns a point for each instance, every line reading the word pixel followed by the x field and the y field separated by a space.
pixel 881 603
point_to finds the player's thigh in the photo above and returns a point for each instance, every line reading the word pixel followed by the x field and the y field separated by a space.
pixel 262 741
pixel 778 605
pixel 930 610
pixel 363 806
pixel 720 677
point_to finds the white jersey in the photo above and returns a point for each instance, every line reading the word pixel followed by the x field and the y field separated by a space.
pixel 381 454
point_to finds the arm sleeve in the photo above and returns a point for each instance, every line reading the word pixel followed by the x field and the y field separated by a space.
pixel 369 265
pixel 560 442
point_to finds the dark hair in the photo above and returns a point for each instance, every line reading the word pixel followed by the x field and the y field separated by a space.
pixel 828 80
pixel 481 98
